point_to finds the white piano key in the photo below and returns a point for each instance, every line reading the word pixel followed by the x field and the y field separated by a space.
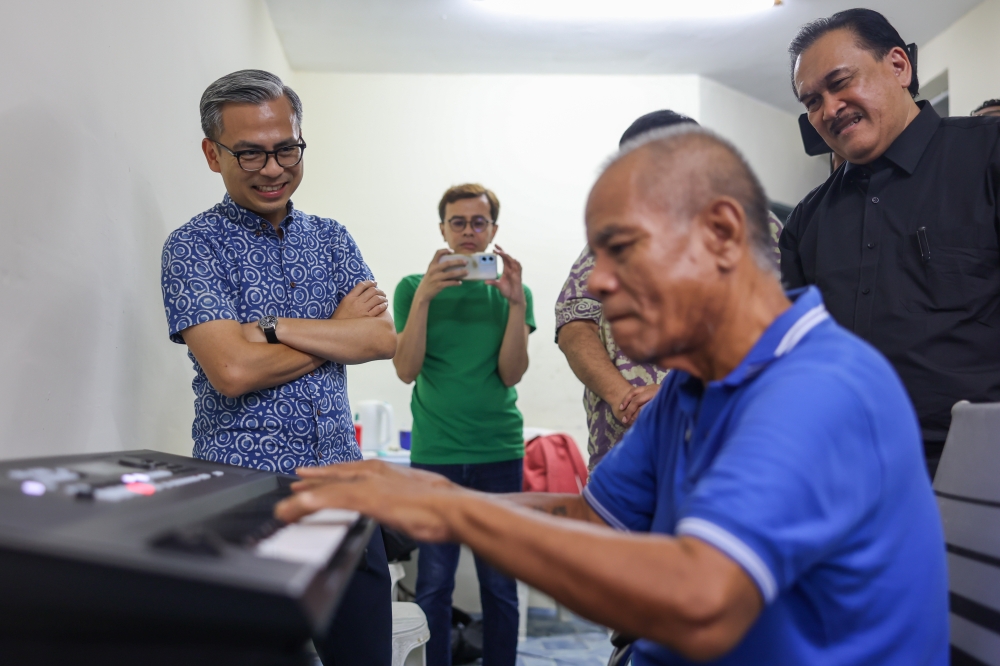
pixel 305 543
pixel 332 517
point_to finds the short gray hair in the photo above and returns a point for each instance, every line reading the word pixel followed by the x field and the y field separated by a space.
pixel 723 170
pixel 247 86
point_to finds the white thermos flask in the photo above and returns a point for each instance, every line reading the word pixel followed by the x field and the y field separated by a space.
pixel 378 428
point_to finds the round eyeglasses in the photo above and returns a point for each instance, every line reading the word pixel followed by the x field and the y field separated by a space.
pixel 478 224
pixel 255 160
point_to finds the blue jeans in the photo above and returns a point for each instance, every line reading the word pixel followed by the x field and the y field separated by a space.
pixel 436 567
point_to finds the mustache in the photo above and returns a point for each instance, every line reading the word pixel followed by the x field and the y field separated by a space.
pixel 842 121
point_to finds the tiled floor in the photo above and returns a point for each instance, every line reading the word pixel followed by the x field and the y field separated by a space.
pixel 552 642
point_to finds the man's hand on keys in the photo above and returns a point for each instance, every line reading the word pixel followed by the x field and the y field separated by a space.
pixel 410 500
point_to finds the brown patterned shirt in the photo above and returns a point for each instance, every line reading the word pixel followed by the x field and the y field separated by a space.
pixel 576 303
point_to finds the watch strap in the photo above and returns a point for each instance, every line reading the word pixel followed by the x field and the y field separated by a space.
pixel 268 324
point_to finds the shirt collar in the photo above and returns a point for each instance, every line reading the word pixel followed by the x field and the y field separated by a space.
pixel 782 335
pixel 250 220
pixel 906 151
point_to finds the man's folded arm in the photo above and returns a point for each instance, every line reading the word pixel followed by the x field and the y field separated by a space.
pixel 235 366
pixel 348 341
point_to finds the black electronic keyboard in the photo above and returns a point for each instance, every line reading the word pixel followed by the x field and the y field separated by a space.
pixel 157 556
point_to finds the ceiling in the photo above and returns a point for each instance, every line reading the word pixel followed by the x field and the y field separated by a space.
pixel 747 53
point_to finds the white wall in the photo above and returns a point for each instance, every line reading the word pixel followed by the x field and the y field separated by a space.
pixel 100 137
pixel 383 148
pixel 767 136
pixel 970 51
pixel 100 134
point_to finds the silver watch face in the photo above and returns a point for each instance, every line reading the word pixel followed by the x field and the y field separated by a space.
pixel 268 322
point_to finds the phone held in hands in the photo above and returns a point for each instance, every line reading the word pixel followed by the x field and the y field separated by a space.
pixel 481 265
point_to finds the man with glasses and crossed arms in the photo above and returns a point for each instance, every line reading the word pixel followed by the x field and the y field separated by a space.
pixel 273 304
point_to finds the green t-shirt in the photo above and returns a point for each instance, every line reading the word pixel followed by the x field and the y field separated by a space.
pixel 462 412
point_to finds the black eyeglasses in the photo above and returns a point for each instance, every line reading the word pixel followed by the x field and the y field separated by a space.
pixel 255 160
pixel 478 224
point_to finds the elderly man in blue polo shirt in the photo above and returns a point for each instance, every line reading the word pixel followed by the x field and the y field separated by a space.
pixel 272 304
pixel 769 506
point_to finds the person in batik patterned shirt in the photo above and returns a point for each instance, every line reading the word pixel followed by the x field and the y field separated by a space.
pixel 615 388
pixel 273 305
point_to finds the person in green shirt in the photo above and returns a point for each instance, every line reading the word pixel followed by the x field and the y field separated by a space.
pixel 465 343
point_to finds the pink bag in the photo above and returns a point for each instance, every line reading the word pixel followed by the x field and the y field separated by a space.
pixel 553 464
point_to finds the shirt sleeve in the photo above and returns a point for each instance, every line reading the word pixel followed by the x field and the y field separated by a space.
pixel 993 176
pixel 402 299
pixel 195 284
pixel 622 488
pixel 349 267
pixel 529 309
pixel 774 227
pixel 792 275
pixel 795 477
pixel 575 302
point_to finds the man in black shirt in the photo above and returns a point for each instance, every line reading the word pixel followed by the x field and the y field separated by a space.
pixel 902 240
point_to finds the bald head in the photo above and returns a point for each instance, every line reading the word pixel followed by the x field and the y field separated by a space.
pixel 681 170
pixel 677 224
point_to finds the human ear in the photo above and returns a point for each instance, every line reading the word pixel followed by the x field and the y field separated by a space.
pixel 441 227
pixel 211 155
pixel 901 66
pixel 724 226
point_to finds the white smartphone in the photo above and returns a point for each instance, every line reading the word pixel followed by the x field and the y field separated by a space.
pixel 481 265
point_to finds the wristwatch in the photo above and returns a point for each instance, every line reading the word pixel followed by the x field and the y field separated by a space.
pixel 268 324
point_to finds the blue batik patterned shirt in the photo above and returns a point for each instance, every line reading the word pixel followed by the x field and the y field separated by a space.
pixel 229 263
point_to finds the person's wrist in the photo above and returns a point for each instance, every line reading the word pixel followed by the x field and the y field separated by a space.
pixel 252 332
pixel 455 506
pixel 616 403
pixel 421 298
pixel 280 325
pixel 268 325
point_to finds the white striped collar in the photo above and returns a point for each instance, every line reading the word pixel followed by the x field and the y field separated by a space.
pixel 807 312
pixel 806 323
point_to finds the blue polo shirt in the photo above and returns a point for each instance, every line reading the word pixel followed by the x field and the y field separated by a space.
pixel 804 465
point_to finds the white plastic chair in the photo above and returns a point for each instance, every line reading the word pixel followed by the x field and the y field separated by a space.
pixel 410 634
pixel 396 574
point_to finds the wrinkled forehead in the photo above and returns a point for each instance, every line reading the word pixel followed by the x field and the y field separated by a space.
pixel 836 50
pixel 614 192
pixel 635 196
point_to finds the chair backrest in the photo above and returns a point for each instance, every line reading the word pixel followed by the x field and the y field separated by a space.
pixel 967 485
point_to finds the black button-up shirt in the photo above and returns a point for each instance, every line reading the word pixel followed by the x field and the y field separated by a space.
pixel 905 252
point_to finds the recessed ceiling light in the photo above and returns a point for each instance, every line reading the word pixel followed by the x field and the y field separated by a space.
pixel 624 10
